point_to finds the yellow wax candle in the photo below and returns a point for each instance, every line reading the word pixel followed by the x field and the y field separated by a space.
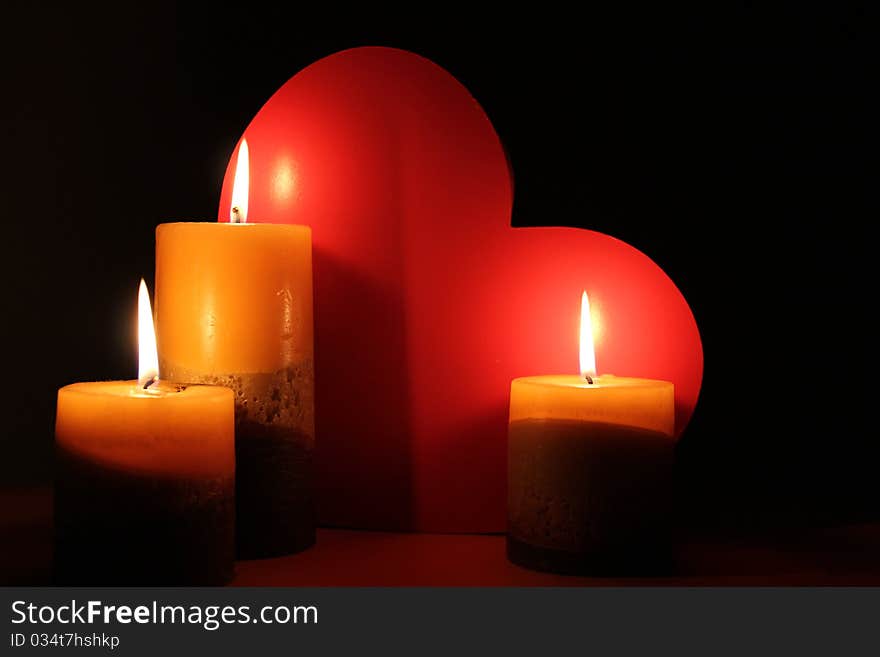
pixel 589 469
pixel 144 479
pixel 234 307
pixel 169 432
pixel 234 297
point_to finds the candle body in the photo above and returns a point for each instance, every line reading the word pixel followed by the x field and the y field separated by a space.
pixel 234 308
pixel 144 490
pixel 590 473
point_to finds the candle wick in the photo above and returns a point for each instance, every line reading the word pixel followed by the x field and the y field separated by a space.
pixel 236 215
pixel 149 382
pixel 589 379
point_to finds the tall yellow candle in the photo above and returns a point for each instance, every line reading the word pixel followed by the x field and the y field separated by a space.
pixel 589 469
pixel 234 307
pixel 144 479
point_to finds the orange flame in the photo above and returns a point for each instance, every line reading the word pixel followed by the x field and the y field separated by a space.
pixel 587 350
pixel 148 358
pixel 238 211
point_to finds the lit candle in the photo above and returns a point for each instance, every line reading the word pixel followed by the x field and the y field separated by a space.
pixel 144 490
pixel 589 469
pixel 234 308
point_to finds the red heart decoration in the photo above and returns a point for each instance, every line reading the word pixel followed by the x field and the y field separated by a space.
pixel 427 302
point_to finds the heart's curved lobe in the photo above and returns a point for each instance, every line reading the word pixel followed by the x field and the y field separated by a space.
pixel 427 302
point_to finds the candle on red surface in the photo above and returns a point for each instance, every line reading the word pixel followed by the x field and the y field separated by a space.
pixel 144 478
pixel 427 301
pixel 234 308
pixel 589 468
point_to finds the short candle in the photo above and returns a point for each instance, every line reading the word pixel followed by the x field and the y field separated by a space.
pixel 589 469
pixel 234 308
pixel 144 490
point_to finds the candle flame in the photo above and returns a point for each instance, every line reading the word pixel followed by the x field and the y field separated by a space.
pixel 238 211
pixel 148 358
pixel 587 351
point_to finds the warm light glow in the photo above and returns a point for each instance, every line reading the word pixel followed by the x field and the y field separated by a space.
pixel 148 358
pixel 238 211
pixel 283 180
pixel 588 352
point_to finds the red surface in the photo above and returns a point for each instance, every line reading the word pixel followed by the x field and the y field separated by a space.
pixel 362 558
pixel 827 557
pixel 427 302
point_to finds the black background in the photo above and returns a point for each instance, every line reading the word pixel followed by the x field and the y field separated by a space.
pixel 728 147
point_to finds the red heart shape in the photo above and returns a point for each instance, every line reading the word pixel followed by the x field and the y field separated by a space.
pixel 427 302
